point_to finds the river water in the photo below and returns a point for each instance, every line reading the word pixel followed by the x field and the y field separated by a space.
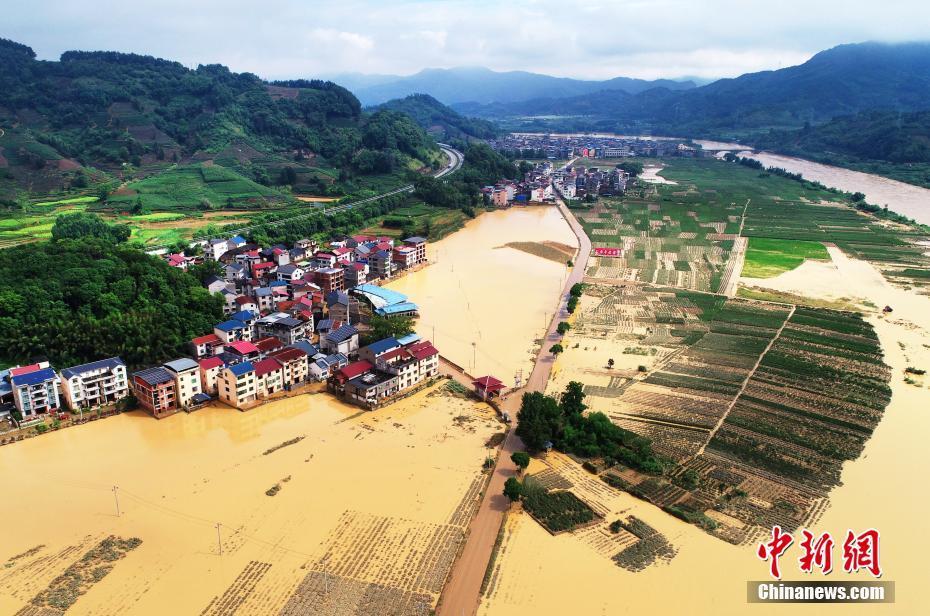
pixel 907 199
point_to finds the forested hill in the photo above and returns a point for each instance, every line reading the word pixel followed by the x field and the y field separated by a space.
pixel 875 135
pixel 440 120
pixel 843 80
pixel 117 114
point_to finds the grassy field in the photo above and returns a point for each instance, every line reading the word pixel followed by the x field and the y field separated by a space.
pixel 766 257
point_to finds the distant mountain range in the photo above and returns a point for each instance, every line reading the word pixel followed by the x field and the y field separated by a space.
pixel 844 80
pixel 484 86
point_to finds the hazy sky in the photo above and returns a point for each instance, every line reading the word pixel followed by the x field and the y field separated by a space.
pixel 586 39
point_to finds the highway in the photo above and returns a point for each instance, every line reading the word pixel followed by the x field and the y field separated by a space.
pixel 455 157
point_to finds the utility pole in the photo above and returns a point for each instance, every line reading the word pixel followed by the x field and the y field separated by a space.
pixel 219 539
pixel 474 355
pixel 116 497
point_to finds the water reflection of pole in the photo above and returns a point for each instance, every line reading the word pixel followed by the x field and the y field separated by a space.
pixel 219 539
pixel 474 355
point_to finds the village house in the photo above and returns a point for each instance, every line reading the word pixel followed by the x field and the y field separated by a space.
pixel 284 327
pixel 237 386
pixel 209 372
pixel 186 373
pixel 235 272
pixel 290 273
pixel 355 274
pixel 369 388
pixel 403 257
pixel 35 389
pixel 94 384
pixel 206 346
pixel 342 340
pixel 269 377
pixel 296 365
pixel 216 249
pixel 330 279
pixel 268 345
pixel 240 351
pixel 265 268
pixel 324 367
pixel 231 331
pixel 306 245
pixel 156 391
pixel 246 303
pixel 380 264
pixel 265 298
pixel 419 247
pixel 216 284
pixel 412 365
pixel 375 350
pixel 322 260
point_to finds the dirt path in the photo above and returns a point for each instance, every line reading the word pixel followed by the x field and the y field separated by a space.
pixel 742 388
pixel 462 591
pixel 734 268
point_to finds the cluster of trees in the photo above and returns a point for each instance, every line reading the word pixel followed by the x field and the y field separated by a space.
pixel 482 166
pixel 871 135
pixel 574 294
pixel 81 298
pixel 80 225
pixel 387 327
pixel 544 421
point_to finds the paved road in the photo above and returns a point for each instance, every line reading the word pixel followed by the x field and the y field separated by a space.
pixel 461 593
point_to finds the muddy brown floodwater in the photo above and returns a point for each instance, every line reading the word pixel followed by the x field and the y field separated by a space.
pixel 572 574
pixel 498 297
pixel 385 495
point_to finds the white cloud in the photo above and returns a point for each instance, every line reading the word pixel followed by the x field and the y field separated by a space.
pixel 304 38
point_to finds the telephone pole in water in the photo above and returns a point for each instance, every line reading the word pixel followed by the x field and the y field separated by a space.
pixel 219 540
pixel 116 498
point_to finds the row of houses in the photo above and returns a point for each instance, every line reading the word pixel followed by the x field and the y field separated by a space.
pixel 39 389
pixel 385 370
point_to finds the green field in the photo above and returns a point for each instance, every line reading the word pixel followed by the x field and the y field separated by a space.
pixel 766 257
pixel 192 188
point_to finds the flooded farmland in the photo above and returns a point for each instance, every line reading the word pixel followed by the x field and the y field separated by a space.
pixel 316 502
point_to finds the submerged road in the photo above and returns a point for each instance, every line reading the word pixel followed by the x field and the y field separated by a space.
pixel 462 591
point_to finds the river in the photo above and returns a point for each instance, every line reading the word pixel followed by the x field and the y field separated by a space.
pixel 907 199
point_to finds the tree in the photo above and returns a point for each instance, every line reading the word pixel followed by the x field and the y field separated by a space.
pixel 521 459
pixel 388 327
pixel 857 197
pixel 632 167
pixel 572 400
pixel 610 362
pixel 577 289
pixel 513 489
pixel 572 304
pixel 82 225
pixel 555 349
pixel 563 327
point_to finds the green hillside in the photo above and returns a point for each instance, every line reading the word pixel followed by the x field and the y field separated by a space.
pixel 440 120
pixel 104 116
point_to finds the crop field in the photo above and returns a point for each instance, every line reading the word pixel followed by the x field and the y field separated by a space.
pixel 766 257
pixel 757 405
pixel 681 235
pixel 672 235
pixel 190 187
